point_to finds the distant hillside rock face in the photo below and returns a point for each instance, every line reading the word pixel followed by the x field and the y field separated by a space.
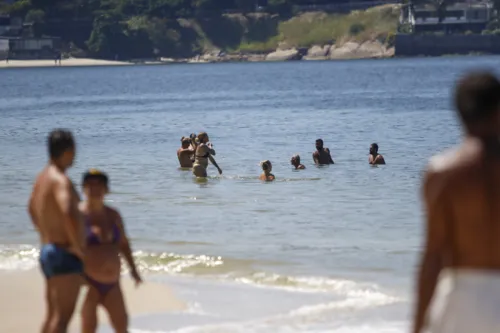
pixel 318 52
pixel 366 50
pixel 284 55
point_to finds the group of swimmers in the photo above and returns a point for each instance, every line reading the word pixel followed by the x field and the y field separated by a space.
pixel 196 151
pixel 82 242
pixel 458 279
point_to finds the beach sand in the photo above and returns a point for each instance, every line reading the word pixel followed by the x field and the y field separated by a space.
pixel 23 309
pixel 72 62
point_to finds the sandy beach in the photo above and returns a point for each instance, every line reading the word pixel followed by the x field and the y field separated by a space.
pixel 72 62
pixel 23 310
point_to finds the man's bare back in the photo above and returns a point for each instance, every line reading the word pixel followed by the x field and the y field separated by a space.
pixel 50 184
pixel 461 187
pixel 462 219
pixel 185 157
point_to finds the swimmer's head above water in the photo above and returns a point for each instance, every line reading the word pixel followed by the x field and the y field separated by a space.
pixel 203 137
pixel 295 161
pixel 62 148
pixel 186 142
pixel 266 166
pixel 477 100
pixel 319 144
pixel 95 184
pixel 374 149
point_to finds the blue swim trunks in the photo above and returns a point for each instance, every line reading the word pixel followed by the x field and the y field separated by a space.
pixel 56 260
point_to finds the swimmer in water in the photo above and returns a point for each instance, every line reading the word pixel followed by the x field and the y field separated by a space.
pixel 267 167
pixel 322 155
pixel 295 161
pixel 374 157
pixel 185 153
pixel 107 243
pixel 203 154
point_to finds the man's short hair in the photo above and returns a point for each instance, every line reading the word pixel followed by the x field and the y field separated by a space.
pixel 59 141
pixel 477 96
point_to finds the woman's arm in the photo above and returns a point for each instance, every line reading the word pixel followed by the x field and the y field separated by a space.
pixel 212 160
pixel 125 249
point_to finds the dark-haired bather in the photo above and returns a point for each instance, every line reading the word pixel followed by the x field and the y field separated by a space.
pixel 374 157
pixel 266 175
pixel 106 241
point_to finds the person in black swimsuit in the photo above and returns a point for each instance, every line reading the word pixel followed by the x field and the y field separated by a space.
pixel 106 241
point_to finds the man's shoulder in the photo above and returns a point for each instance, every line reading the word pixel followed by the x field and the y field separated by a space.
pixel 453 159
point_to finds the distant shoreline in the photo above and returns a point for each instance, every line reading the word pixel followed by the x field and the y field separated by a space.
pixel 71 62
pixel 88 62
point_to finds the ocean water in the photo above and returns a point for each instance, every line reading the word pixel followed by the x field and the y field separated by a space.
pixel 330 249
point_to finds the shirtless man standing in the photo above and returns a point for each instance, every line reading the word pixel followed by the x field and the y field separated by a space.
pixel 185 153
pixel 53 208
pixel 322 155
pixel 459 273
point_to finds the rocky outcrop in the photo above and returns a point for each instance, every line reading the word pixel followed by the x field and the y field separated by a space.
pixel 366 50
pixel 345 51
pixel 318 52
pixel 256 57
pixel 284 55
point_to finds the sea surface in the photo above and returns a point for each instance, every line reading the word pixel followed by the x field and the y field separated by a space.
pixel 330 249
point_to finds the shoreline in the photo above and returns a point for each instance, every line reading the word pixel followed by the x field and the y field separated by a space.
pixel 23 297
pixel 88 62
pixel 71 62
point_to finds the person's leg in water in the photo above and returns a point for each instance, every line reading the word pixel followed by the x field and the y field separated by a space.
pixel 63 273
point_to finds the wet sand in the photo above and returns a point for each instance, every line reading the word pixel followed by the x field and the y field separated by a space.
pixel 72 62
pixel 22 302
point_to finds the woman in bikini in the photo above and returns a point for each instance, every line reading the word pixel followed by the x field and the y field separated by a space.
pixel 106 241
pixel 202 155
pixel 267 167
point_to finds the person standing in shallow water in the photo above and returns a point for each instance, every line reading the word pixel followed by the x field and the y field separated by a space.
pixel 459 276
pixel 295 161
pixel 203 154
pixel 106 241
pixel 375 158
pixel 185 153
pixel 322 155
pixel 53 208
pixel 267 167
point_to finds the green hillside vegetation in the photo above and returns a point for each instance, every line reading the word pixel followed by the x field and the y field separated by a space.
pixel 184 28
